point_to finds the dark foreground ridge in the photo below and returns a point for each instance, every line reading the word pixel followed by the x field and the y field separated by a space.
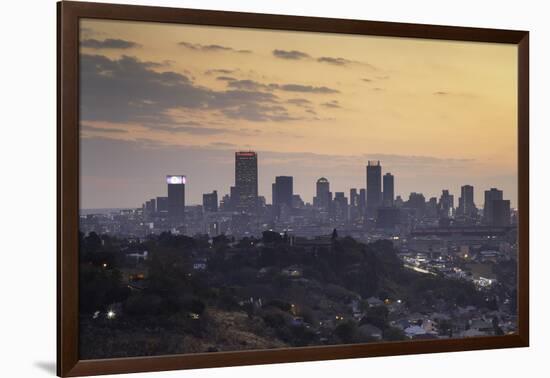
pixel 174 294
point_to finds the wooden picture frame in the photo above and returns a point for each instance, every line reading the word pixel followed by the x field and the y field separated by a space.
pixel 69 14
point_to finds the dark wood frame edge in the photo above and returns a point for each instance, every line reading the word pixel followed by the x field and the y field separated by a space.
pixel 69 13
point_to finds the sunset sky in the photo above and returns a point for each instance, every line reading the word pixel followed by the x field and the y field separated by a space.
pixel 161 99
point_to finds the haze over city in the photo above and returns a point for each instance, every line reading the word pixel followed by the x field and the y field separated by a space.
pixel 173 99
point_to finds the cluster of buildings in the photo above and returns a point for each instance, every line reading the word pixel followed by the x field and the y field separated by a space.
pixel 363 213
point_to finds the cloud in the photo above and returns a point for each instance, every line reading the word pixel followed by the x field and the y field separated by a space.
pixel 188 129
pixel 306 88
pixel 454 94
pixel 290 54
pixel 111 130
pixel 331 104
pixel 196 128
pixel 108 43
pixel 219 71
pixel 223 145
pixel 248 84
pixel 225 78
pixel 129 90
pixel 300 55
pixel 211 48
pixel 259 113
pixel 299 101
pixel 335 61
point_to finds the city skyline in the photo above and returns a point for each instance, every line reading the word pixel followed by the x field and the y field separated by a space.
pixel 247 198
pixel 318 112
pixel 477 193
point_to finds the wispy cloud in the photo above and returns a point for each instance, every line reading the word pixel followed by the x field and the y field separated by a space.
pixel 335 61
pixel 211 48
pixel 252 85
pixel 299 101
pixel 109 43
pixel 290 54
pixel 219 71
pixel 301 55
pixel 110 130
pixel 445 93
pixel 331 104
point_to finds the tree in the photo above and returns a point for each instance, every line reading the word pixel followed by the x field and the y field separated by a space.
pixel 346 331
pixel 377 316
pixel 271 237
pixel 393 334
pixel 92 242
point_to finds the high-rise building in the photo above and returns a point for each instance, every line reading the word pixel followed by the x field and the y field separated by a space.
pixel 374 187
pixel 176 196
pixel 233 198
pixel 149 208
pixel 431 208
pixel 388 192
pixel 340 207
pixel 353 197
pixel 210 202
pixel 417 202
pixel 446 204
pixel 362 201
pixel 323 196
pixel 282 190
pixel 354 210
pixel 466 205
pixel 225 203
pixel 246 180
pixel 500 213
pixel 490 195
pixel 162 206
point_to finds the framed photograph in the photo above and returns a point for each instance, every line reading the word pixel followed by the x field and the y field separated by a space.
pixel 240 188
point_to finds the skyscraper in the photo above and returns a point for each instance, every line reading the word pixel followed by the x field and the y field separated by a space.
pixel 362 201
pixel 282 193
pixel 500 213
pixel 176 196
pixel 374 187
pixel 246 180
pixel 162 206
pixel 466 205
pixel 388 193
pixel 353 197
pixel 340 207
pixel 210 201
pixel 322 198
pixel 354 210
pixel 490 195
pixel 446 204
pixel 149 208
